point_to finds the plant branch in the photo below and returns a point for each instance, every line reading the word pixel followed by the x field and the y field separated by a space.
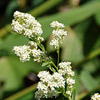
pixel 58 50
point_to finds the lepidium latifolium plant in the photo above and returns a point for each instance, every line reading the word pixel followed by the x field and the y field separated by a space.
pixel 59 80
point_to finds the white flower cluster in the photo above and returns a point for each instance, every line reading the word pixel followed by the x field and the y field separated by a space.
pixel 33 45
pixel 26 25
pixel 56 24
pixel 96 96
pixel 24 52
pixel 58 34
pixel 48 84
pixel 61 80
pixel 38 55
pixel 66 71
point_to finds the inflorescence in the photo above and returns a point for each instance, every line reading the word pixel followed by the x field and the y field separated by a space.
pixel 96 96
pixel 61 79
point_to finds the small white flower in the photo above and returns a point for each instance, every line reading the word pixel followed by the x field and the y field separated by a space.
pixel 55 42
pixel 38 55
pixel 69 93
pixel 26 25
pixel 42 86
pixel 28 33
pixel 65 69
pixel 45 76
pixel 56 24
pixel 23 52
pixel 48 84
pixel 58 80
pixel 33 44
pixel 60 33
pixel 37 52
pixel 40 38
pixel 70 81
pixel 96 96
pixel 64 64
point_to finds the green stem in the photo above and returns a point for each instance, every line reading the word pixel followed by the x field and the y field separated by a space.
pixel 54 65
pixel 58 50
pixel 41 47
pixel 51 62
pixel 22 93
pixel 92 55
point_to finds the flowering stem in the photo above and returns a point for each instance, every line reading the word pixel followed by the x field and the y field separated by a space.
pixel 54 65
pixel 51 62
pixel 58 50
pixel 41 47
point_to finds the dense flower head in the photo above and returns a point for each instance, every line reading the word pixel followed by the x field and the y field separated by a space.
pixel 96 96
pixel 38 55
pixel 69 93
pixel 26 25
pixel 58 80
pixel 32 44
pixel 65 69
pixel 70 81
pixel 45 92
pixel 56 24
pixel 64 64
pixel 48 84
pixel 23 52
pixel 58 34
pixel 44 76
pixel 31 50
pixel 52 82
pixel 55 42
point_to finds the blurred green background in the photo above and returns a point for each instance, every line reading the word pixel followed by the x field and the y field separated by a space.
pixel 81 46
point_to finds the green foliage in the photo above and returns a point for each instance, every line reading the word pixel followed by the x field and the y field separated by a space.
pixel 12 71
pixel 70 17
pixel 97 17
pixel 72 47
pixel 11 7
pixel 82 39
pixel 89 82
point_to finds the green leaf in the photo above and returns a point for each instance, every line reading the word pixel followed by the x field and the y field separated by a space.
pixel 45 64
pixel 73 96
pixel 12 71
pixel 97 17
pixel 11 41
pixel 72 48
pixel 92 65
pixel 70 17
pixel 78 85
pixel 81 29
pixel 88 81
pixel 13 4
